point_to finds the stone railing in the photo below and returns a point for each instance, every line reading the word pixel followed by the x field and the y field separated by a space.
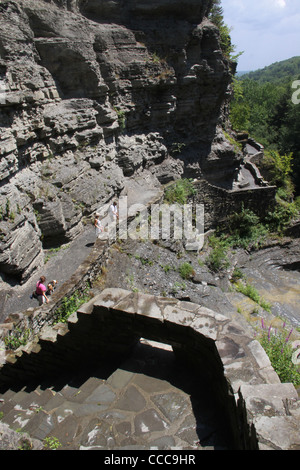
pixel 261 412
pixel 34 319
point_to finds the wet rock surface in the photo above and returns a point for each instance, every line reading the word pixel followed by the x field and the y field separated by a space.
pixel 274 272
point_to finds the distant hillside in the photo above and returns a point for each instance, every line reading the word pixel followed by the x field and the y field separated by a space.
pixel 242 72
pixel 279 71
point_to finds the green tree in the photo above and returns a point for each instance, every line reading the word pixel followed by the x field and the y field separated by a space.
pixel 216 17
pixel 240 109
pixel 286 121
pixel 280 166
pixel 262 105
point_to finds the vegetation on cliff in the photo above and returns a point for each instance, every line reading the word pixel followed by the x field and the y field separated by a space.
pixel 278 347
pixel 216 16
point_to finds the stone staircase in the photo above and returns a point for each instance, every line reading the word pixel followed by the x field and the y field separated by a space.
pixel 46 413
pixel 167 392
pixel 127 410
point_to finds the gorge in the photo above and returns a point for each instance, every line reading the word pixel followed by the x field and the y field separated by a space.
pixel 90 103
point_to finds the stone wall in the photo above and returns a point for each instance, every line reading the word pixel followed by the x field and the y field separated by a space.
pixel 219 203
pixel 262 412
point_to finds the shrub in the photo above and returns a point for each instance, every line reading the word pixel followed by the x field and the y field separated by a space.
pixel 297 203
pixel 186 270
pixel 121 118
pixel 166 268
pixel 70 305
pixel 180 191
pixel 280 351
pixel 253 294
pixel 238 147
pixel 280 166
pixel 236 275
pixel 285 194
pixel 217 258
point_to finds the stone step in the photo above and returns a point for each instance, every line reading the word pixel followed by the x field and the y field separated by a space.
pixel 19 409
pixel 131 408
pixel 74 414
pixel 43 413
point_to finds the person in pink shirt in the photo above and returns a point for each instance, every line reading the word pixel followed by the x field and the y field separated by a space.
pixel 41 291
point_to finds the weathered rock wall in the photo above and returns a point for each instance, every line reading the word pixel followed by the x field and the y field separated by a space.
pixel 95 92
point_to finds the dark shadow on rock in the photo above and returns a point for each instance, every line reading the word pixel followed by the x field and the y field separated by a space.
pixel 209 421
pixel 89 245
pixel 212 425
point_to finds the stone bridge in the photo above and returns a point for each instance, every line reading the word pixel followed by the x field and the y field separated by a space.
pixel 260 412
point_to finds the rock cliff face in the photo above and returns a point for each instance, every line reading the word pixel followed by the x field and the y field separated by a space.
pixel 94 92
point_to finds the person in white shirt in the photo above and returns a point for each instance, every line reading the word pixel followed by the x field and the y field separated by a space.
pixel 98 225
pixel 113 211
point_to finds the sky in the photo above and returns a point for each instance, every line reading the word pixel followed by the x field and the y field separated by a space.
pixel 266 31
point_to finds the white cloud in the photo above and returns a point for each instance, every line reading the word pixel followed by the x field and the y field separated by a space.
pixel 281 3
pixel 266 30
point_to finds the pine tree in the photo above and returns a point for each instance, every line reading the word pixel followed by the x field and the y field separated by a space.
pixel 216 13
pixel 216 17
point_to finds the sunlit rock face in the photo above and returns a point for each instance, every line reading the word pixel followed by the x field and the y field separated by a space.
pixel 94 92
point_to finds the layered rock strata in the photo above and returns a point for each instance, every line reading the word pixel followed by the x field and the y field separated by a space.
pixel 92 93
